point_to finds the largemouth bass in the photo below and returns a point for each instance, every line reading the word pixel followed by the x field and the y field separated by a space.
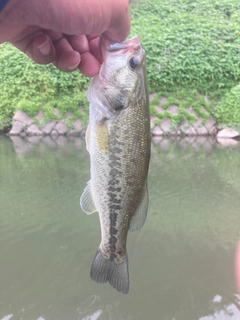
pixel 118 141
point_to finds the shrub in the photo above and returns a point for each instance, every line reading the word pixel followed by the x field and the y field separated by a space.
pixel 228 109
pixel 30 87
pixel 190 43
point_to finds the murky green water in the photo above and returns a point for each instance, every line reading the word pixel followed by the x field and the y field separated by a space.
pixel 181 262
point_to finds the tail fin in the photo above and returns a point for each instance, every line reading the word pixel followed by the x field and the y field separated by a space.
pixel 104 270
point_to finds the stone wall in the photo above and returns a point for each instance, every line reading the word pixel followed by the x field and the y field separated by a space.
pixel 24 125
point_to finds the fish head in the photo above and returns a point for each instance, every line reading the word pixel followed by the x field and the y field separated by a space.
pixel 123 63
pixel 121 79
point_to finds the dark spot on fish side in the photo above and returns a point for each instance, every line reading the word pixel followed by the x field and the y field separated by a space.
pixel 114 172
pixel 114 158
pixel 117 150
pixel 114 200
pixel 113 217
pixel 112 189
pixel 113 239
pixel 114 231
pixel 114 207
pixel 113 182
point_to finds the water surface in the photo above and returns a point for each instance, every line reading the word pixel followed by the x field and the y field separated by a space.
pixel 181 263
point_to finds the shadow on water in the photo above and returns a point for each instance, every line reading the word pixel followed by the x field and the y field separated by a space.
pixel 181 262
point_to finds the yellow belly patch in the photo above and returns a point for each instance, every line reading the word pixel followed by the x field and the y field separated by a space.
pixel 102 137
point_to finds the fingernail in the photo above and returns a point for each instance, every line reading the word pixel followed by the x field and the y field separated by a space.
pixel 71 68
pixel 45 48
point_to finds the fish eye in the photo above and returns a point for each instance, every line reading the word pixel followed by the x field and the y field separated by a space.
pixel 133 63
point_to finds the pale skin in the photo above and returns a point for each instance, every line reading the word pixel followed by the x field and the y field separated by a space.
pixel 68 33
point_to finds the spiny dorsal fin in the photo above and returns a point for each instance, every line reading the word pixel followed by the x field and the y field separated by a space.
pixel 139 217
pixel 86 200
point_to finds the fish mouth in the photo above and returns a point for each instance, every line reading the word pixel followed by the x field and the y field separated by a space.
pixel 127 45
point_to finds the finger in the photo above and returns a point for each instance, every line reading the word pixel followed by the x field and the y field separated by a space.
pixel 79 43
pixel 84 44
pixel 93 36
pixel 42 50
pixel 90 52
pixel 67 59
pixel 54 35
pixel 119 27
pixel 89 65
pixel 38 46
pixel 95 48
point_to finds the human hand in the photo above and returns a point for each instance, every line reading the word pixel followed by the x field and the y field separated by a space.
pixel 67 33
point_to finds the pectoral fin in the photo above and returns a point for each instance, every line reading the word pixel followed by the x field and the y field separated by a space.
pixel 139 217
pixel 86 200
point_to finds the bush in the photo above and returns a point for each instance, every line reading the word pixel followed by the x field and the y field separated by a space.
pixel 30 87
pixel 228 109
pixel 190 43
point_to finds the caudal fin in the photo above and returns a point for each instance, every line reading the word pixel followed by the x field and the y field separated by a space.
pixel 103 270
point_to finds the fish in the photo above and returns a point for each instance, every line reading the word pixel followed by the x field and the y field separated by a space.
pixel 118 141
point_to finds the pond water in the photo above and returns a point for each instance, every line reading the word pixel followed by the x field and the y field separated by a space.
pixel 181 263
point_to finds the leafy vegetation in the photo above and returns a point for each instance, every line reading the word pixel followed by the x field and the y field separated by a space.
pixel 192 50
pixel 183 98
pixel 228 109
pixel 190 43
pixel 30 87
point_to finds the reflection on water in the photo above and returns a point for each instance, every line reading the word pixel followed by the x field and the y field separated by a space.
pixel 181 262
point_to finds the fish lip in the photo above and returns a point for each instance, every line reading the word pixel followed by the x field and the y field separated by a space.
pixel 126 45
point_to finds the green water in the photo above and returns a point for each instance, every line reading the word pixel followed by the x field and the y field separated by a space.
pixel 181 263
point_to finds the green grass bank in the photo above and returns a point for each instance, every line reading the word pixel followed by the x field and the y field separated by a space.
pixel 193 56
